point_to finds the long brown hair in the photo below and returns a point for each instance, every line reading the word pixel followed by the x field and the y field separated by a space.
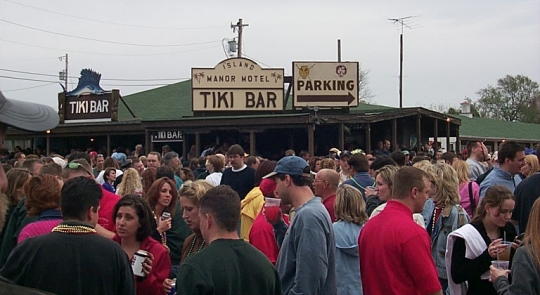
pixel 154 190
pixel 532 233
pixel 494 197
pixel 148 177
pixel 16 178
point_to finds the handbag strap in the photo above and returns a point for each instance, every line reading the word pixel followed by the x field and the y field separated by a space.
pixel 471 199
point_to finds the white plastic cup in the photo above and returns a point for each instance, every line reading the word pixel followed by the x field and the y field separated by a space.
pixel 271 207
pixel 272 202
pixel 500 264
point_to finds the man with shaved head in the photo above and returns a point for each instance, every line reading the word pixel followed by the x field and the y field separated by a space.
pixel 325 185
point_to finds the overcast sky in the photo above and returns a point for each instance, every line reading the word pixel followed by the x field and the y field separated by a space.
pixel 454 47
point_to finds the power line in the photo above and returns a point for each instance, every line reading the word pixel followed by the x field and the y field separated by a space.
pixel 140 85
pixel 124 85
pixel 107 41
pixel 113 23
pixel 110 54
pixel 26 88
pixel 27 79
pixel 111 79
pixel 28 59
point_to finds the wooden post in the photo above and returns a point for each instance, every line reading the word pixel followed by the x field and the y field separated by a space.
pixel 311 137
pixel 435 134
pixel 341 136
pixel 368 139
pixel 198 143
pixel 252 143
pixel 418 132
pixel 394 135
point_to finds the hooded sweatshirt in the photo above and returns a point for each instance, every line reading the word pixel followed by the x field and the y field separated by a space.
pixel 347 259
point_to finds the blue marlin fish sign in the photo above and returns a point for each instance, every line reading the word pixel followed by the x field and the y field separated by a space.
pixel 88 84
pixel 88 102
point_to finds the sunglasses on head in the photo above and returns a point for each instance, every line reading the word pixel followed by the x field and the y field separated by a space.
pixel 75 166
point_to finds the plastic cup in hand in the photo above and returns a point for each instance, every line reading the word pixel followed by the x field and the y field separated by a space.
pixel 500 264
pixel 271 207
pixel 370 191
pixel 504 253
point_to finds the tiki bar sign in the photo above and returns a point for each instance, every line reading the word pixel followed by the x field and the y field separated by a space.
pixel 88 102
pixel 237 84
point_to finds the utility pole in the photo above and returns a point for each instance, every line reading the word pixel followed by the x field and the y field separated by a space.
pixel 239 26
pixel 401 22
pixel 65 58
pixel 339 50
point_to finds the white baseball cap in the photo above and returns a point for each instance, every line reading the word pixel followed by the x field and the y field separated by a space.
pixel 27 115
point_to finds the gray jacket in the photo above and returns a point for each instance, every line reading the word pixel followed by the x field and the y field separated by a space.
pixel 525 276
pixel 306 261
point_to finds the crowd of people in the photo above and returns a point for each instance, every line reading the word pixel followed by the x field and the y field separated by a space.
pixel 348 222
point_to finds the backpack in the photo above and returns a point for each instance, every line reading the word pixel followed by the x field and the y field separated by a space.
pixel 483 176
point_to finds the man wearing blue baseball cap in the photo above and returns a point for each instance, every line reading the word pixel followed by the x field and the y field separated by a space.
pixel 306 261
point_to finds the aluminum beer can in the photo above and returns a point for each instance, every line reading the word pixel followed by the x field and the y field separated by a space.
pixel 137 262
pixel 173 287
pixel 165 215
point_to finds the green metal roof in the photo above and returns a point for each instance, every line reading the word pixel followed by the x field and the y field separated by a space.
pixel 164 103
pixel 491 128
pixel 173 101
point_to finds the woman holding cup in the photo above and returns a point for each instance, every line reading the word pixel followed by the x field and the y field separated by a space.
pixel 472 248
pixel 162 197
pixel 134 223
pixel 382 191
pixel 190 194
pixel 526 262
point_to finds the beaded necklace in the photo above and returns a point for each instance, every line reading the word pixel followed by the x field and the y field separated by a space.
pixel 73 229
pixel 354 180
pixel 163 235
pixel 435 218
pixel 193 244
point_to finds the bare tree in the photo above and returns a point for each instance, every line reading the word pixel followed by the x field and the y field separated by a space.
pixel 364 92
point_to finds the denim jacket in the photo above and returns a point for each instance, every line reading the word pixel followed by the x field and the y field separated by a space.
pixel 451 218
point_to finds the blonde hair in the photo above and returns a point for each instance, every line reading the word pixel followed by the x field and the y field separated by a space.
pixel 448 192
pixel 328 163
pixel 194 190
pixel 387 173
pixel 533 161
pixel 131 182
pixel 531 239
pixel 427 167
pixel 349 205
pixel 462 170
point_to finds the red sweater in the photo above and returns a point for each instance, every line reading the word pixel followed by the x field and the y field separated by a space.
pixel 329 205
pixel 106 209
pixel 161 267
pixel 37 228
pixel 262 237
